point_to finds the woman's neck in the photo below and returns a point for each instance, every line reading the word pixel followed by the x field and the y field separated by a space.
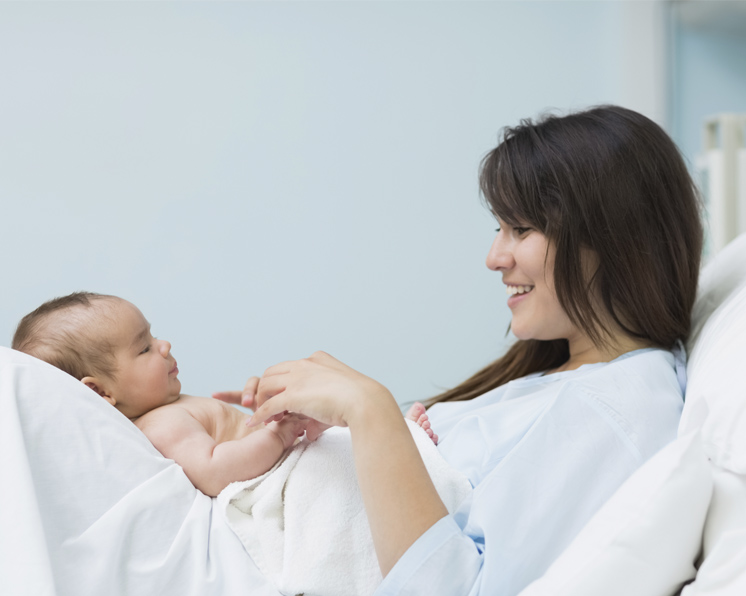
pixel 584 351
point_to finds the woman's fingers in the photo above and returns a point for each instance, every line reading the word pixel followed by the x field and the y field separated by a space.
pixel 271 411
pixel 314 428
pixel 279 369
pixel 320 387
pixel 270 385
pixel 320 358
pixel 329 361
pixel 243 398
pixel 303 387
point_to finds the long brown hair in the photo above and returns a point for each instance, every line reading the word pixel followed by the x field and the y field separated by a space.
pixel 612 181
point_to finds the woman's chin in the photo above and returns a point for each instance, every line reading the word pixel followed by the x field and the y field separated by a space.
pixel 521 332
pixel 525 333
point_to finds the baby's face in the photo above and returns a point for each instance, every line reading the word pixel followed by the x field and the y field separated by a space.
pixel 146 375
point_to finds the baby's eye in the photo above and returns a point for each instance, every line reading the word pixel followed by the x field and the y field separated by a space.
pixel 147 349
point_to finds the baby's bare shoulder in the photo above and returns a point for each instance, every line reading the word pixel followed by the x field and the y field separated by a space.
pixel 176 431
pixel 189 415
pixel 179 414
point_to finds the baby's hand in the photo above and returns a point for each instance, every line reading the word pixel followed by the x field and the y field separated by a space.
pixel 289 428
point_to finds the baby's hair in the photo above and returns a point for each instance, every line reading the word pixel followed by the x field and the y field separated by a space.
pixel 61 333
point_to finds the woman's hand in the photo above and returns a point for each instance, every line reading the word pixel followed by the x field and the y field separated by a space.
pixel 400 499
pixel 320 387
pixel 243 398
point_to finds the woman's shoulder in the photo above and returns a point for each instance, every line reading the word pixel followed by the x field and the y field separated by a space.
pixel 639 393
pixel 649 370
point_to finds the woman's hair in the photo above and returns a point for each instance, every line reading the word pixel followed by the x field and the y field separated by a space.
pixel 610 181
pixel 66 333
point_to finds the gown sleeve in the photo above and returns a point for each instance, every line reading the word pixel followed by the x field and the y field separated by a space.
pixel 527 509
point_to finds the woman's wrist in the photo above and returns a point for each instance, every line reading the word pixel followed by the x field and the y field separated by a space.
pixel 377 402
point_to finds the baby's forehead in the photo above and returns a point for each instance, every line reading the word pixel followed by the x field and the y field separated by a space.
pixel 125 313
pixel 110 317
pixel 107 310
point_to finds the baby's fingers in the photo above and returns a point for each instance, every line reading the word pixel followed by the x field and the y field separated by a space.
pixel 271 410
pixel 231 397
pixel 276 417
pixel 248 395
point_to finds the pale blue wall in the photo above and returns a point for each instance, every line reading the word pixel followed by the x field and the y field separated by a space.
pixel 268 179
pixel 708 78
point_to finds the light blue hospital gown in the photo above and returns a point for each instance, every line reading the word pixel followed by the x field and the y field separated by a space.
pixel 543 453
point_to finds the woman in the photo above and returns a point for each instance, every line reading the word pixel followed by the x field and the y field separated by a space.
pixel 598 245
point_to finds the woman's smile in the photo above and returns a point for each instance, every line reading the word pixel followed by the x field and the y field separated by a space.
pixel 525 257
pixel 512 289
pixel 517 293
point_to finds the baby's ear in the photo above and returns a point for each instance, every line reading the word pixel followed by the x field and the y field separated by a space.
pixel 95 384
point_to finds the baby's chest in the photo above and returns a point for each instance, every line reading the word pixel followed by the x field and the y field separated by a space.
pixel 221 421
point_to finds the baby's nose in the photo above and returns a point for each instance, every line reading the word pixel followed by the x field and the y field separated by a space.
pixel 164 348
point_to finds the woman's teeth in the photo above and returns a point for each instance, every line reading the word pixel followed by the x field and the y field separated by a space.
pixel 512 290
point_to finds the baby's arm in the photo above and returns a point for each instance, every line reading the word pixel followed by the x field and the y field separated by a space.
pixel 209 465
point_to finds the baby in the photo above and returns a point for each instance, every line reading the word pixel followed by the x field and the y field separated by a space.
pixel 105 342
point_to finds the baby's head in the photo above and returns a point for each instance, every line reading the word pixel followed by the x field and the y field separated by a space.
pixel 105 342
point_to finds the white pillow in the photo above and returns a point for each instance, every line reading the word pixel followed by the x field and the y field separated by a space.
pixel 723 572
pixel 718 280
pixel 645 539
pixel 716 392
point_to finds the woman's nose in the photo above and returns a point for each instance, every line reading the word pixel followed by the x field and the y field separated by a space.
pixel 164 347
pixel 500 255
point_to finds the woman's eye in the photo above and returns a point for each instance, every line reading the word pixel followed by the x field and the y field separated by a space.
pixel 497 230
pixel 521 231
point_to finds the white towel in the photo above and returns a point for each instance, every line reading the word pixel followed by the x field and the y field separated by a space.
pixel 304 522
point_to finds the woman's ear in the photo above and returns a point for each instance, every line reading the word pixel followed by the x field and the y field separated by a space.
pixel 95 384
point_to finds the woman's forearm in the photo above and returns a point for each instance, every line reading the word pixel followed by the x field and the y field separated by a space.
pixel 399 496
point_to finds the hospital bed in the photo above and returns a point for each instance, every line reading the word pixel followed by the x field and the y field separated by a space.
pixel 88 507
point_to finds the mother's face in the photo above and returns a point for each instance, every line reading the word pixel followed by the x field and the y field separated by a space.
pixel 525 257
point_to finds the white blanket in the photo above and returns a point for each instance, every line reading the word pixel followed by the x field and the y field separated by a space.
pixel 304 522
pixel 88 507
